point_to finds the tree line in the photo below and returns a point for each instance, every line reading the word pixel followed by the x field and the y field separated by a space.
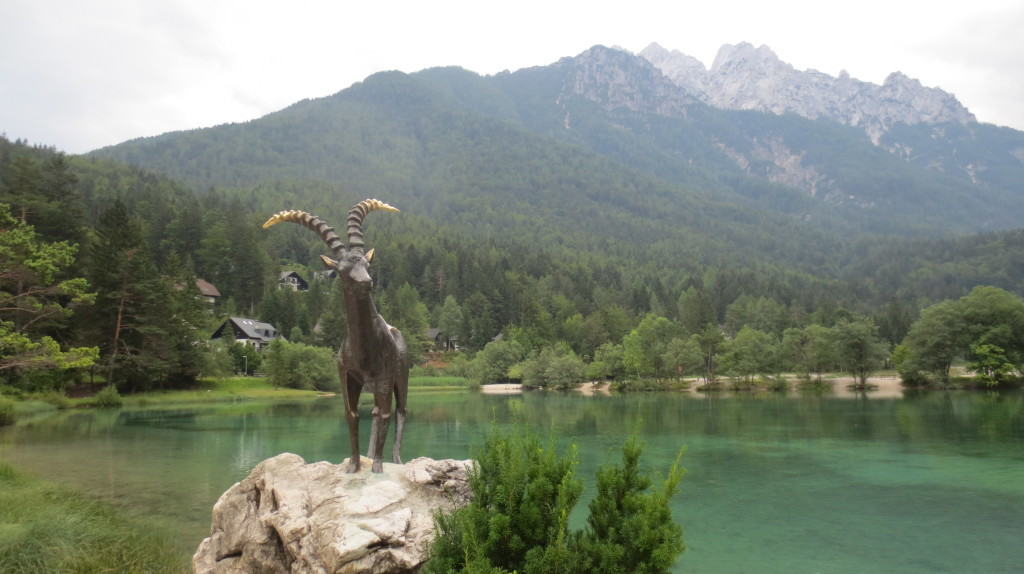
pixel 100 260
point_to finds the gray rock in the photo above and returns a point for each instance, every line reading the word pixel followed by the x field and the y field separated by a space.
pixel 743 77
pixel 290 516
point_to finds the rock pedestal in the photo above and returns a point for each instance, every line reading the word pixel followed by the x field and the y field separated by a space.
pixel 289 516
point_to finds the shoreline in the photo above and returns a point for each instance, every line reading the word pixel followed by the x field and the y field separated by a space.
pixel 881 387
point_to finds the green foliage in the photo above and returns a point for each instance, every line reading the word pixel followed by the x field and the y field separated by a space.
pixel 300 366
pixel 644 384
pixel 711 340
pixel 988 319
pixel 491 365
pixel 523 492
pixel 55 398
pixel 108 397
pixel 858 348
pixel 750 353
pixel 146 323
pixel 518 518
pixel 809 350
pixel 683 356
pixel 554 367
pixel 630 529
pixel 217 360
pixel 7 416
pixel 991 364
pixel 35 300
pixel 607 363
pixel 245 359
pixel 760 313
pixel 644 347
pixel 404 310
pixel 438 381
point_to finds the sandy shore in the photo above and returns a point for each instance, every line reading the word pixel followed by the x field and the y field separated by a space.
pixel 884 387
pixel 501 389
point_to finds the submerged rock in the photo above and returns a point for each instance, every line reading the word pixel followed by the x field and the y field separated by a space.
pixel 290 516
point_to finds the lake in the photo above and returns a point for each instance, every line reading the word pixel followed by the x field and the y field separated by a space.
pixel 926 483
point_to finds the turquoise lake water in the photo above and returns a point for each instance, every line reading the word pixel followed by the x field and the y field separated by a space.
pixel 927 483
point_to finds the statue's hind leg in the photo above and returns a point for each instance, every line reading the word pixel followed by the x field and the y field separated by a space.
pixel 401 394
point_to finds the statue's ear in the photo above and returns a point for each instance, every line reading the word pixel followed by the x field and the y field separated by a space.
pixel 369 256
pixel 328 262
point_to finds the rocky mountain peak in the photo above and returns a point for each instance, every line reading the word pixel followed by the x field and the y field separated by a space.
pixel 745 54
pixel 685 71
pixel 748 78
pixel 618 79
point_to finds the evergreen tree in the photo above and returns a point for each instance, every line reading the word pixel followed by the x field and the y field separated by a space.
pixel 145 323
pixel 630 529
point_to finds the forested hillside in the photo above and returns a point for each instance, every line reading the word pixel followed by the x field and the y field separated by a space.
pixel 427 131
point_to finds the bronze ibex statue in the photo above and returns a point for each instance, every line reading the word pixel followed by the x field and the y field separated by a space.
pixel 374 356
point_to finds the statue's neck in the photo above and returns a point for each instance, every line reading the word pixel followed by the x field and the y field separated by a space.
pixel 360 315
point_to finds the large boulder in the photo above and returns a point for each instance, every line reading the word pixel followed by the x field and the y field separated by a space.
pixel 289 516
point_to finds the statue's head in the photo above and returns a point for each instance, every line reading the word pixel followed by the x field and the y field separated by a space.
pixel 351 262
pixel 353 267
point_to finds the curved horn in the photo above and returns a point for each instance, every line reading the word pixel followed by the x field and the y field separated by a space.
pixel 326 232
pixel 354 223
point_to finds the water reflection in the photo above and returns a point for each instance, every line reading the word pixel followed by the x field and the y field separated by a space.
pixel 776 483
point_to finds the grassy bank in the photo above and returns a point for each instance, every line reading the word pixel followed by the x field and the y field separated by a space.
pixel 47 528
pixel 227 389
pixel 216 390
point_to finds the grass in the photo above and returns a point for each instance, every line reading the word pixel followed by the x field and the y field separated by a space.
pixel 218 390
pixel 228 389
pixel 47 528
pixel 438 381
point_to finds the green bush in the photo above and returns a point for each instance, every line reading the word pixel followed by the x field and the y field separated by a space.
pixel 649 384
pixel 518 519
pixel 301 366
pixel 424 371
pixel 776 383
pixel 554 367
pixel 55 398
pixel 523 491
pixel 108 397
pixel 7 415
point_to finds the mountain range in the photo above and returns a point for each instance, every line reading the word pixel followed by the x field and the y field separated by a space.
pixel 750 161
pixel 897 158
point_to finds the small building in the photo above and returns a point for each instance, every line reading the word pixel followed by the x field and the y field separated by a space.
pixel 247 331
pixel 292 280
pixel 325 275
pixel 207 291
pixel 440 340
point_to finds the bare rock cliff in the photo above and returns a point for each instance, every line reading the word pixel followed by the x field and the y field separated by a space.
pixel 743 77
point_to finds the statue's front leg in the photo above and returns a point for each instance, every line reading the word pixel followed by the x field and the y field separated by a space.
pixel 381 419
pixel 351 393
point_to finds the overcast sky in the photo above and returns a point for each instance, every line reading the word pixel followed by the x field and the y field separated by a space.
pixel 80 75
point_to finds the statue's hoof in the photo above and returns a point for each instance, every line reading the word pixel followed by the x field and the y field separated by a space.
pixel 378 466
pixel 396 459
pixel 352 468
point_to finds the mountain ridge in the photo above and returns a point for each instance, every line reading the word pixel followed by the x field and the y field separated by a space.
pixel 748 78
pixel 393 128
